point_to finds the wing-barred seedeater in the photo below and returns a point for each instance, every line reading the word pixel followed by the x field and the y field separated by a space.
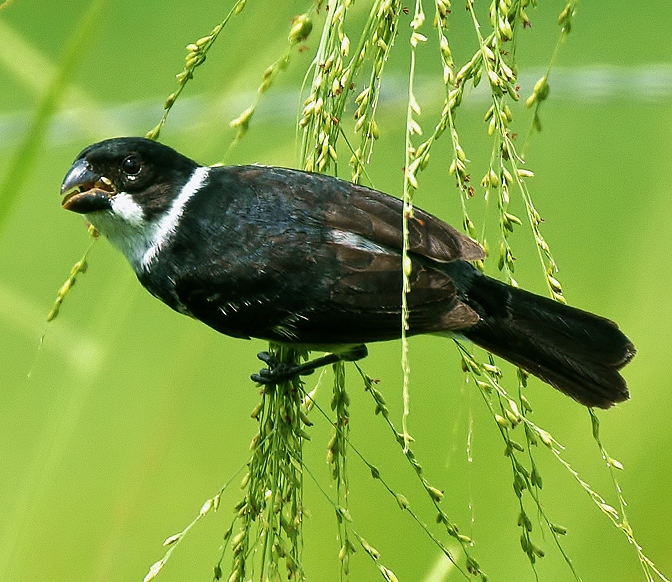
pixel 313 261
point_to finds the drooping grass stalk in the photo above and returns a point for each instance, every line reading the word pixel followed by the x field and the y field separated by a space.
pixel 196 54
pixel 302 26
pixel 412 128
pixel 172 542
pixel 336 68
pixel 435 494
pixel 79 268
pixel 338 460
pixel 541 87
pixel 271 512
pixel 618 516
pixel 508 415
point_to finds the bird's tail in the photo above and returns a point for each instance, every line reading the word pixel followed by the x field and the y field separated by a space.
pixel 575 351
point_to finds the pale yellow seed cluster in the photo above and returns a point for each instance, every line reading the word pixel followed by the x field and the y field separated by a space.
pixel 334 81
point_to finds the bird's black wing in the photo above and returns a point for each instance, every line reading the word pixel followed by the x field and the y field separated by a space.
pixel 367 239
pixel 378 218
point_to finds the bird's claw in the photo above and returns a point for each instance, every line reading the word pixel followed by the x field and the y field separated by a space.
pixel 277 371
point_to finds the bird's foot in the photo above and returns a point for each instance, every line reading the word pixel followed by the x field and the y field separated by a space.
pixel 276 371
pixel 281 372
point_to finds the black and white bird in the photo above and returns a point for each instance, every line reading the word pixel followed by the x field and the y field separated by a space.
pixel 313 261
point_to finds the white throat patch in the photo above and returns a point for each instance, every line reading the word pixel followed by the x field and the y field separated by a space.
pixel 128 209
pixel 126 228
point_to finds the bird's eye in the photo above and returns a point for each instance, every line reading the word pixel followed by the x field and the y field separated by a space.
pixel 131 165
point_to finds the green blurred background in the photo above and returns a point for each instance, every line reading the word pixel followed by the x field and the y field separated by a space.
pixel 128 416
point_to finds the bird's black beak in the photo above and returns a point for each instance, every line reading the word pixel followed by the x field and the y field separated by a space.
pixel 84 190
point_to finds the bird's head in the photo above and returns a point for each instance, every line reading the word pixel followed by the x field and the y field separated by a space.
pixel 126 188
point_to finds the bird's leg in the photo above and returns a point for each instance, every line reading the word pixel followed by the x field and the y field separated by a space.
pixel 280 372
